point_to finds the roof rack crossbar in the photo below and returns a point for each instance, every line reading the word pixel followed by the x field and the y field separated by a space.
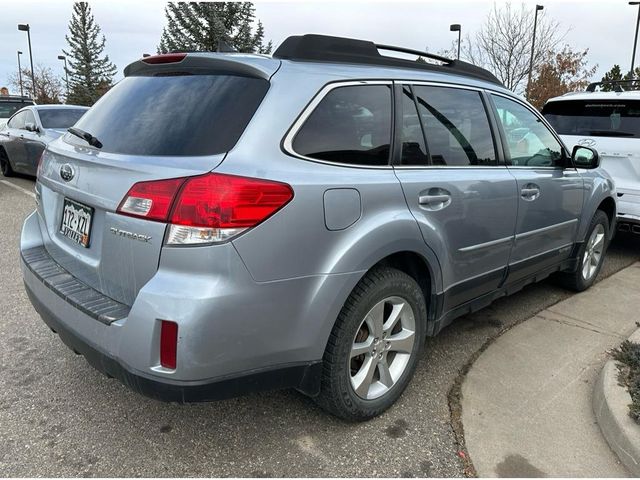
pixel 432 56
pixel 592 86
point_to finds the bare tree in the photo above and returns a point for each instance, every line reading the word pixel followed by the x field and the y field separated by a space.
pixel 48 85
pixel 503 44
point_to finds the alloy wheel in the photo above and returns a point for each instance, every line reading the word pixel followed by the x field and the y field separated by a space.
pixel 593 252
pixel 382 347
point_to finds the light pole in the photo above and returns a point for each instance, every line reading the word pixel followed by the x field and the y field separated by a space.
pixel 24 27
pixel 66 73
pixel 635 40
pixel 20 74
pixel 456 27
pixel 533 45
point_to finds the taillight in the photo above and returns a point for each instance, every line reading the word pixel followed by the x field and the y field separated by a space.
pixel 168 344
pixel 164 58
pixel 151 200
pixel 208 208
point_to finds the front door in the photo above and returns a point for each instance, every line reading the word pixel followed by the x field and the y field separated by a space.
pixel 550 191
pixel 463 199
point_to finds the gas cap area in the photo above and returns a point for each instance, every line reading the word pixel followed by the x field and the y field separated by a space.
pixel 342 208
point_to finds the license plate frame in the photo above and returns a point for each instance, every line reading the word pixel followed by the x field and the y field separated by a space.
pixel 74 215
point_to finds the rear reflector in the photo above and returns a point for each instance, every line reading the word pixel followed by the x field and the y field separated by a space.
pixel 164 58
pixel 168 344
pixel 209 208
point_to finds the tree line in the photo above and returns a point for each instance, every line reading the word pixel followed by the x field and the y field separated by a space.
pixel 502 45
pixel 191 26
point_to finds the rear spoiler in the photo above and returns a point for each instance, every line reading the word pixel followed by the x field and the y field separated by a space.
pixel 208 63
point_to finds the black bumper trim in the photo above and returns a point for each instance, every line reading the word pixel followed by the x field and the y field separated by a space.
pixel 66 286
pixel 304 377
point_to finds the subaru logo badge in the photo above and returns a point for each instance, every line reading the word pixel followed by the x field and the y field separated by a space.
pixel 587 142
pixel 66 172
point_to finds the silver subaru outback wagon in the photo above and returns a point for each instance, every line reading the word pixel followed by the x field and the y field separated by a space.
pixel 220 223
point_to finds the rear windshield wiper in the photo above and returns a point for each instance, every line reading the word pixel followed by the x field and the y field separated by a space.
pixel 86 136
pixel 611 133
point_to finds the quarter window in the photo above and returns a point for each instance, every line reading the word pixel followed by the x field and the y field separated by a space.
pixel 351 125
pixel 456 126
pixel 529 141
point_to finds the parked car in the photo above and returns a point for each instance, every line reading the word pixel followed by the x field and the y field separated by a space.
pixel 10 104
pixel 29 130
pixel 221 223
pixel 610 122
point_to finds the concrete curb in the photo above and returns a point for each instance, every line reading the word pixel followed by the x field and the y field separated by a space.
pixel 611 407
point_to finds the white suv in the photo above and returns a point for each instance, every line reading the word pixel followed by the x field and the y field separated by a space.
pixel 610 123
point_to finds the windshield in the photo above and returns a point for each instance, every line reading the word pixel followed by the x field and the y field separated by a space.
pixel 606 118
pixel 60 117
pixel 9 108
pixel 182 115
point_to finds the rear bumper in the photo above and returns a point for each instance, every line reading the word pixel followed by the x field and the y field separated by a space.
pixel 303 377
pixel 629 211
pixel 235 335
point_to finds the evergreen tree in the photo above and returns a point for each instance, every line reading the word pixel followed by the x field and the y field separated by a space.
pixel 616 74
pixel 200 26
pixel 89 71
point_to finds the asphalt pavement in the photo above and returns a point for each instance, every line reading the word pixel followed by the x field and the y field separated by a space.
pixel 59 417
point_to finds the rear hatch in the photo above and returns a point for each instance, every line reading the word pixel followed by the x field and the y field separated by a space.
pixel 611 126
pixel 175 116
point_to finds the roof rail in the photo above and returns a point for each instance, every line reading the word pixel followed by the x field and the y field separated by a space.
pixel 324 48
pixel 617 85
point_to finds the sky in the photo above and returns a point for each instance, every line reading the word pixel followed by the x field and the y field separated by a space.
pixel 133 27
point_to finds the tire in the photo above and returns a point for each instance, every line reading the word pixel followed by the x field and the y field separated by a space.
pixel 357 387
pixel 590 256
pixel 5 165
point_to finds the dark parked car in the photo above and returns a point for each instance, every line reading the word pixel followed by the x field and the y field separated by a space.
pixel 29 130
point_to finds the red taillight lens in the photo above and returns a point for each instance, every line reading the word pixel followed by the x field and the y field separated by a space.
pixel 208 208
pixel 164 58
pixel 227 201
pixel 151 200
pixel 168 344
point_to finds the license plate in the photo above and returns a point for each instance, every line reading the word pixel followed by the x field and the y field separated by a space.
pixel 76 222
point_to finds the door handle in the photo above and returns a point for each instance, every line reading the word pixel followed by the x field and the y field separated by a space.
pixel 530 192
pixel 434 199
pixel 430 199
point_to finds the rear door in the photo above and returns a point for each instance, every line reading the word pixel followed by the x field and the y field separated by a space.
pixel 151 127
pixel 32 145
pixel 550 191
pixel 463 198
pixel 11 139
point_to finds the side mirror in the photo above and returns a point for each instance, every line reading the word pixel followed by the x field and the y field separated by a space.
pixel 31 127
pixel 585 157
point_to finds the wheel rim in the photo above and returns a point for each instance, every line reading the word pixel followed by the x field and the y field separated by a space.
pixel 382 347
pixel 593 252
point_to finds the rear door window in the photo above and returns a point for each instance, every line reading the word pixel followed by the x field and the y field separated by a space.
pixel 351 125
pixel 597 118
pixel 179 115
pixel 456 126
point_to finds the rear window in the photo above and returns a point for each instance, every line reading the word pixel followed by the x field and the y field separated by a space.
pixel 350 125
pixel 8 108
pixel 182 115
pixel 606 118
pixel 60 117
